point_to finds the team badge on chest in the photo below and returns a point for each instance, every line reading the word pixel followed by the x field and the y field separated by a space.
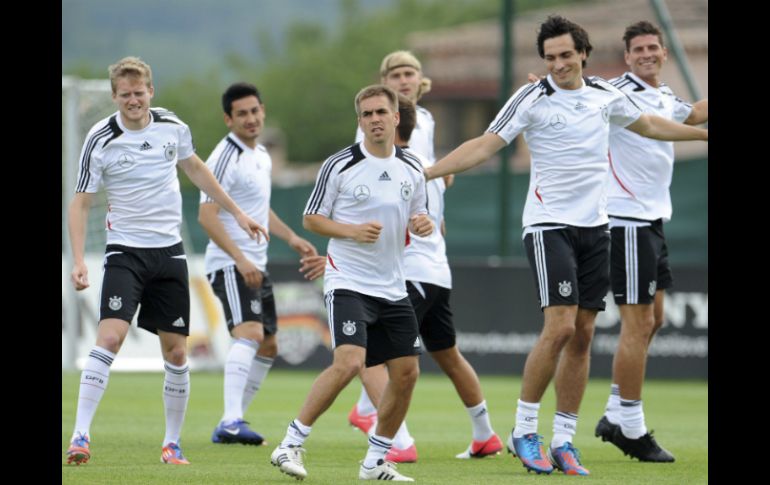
pixel 406 190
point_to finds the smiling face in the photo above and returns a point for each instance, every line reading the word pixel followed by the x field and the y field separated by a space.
pixel 645 57
pixel 246 119
pixel 132 95
pixel 564 63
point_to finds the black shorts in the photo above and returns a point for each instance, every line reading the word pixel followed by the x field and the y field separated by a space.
pixel 639 263
pixel 243 303
pixel 431 305
pixel 156 278
pixel 571 265
pixel 386 329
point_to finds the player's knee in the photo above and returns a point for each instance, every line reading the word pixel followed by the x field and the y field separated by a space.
pixel 557 338
pixel 269 348
pixel 110 341
pixel 176 355
pixel 405 376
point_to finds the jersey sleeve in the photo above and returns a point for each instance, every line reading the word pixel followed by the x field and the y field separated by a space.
pixel 326 188
pixel 186 148
pixel 89 177
pixel 513 118
pixel 221 162
pixel 419 201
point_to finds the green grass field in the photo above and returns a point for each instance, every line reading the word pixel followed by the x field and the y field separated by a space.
pixel 128 430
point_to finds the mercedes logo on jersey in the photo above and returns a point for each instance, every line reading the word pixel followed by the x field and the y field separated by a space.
pixel 557 121
pixel 361 192
pixel 125 160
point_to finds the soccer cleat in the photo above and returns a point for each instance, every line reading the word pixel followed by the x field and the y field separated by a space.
pixel 605 429
pixel 236 431
pixel 385 470
pixel 172 454
pixel 290 461
pixel 480 449
pixel 529 449
pixel 644 448
pixel 78 451
pixel 364 422
pixel 567 459
pixel 402 455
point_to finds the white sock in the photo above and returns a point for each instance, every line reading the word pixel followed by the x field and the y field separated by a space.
pixel 379 446
pixel 403 439
pixel 176 393
pixel 612 410
pixel 364 405
pixel 237 367
pixel 93 382
pixel 564 427
pixel 632 418
pixel 526 418
pixel 482 429
pixel 260 366
pixel 296 434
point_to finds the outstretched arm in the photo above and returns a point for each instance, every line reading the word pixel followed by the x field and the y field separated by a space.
pixel 659 128
pixel 467 155
pixel 699 113
pixel 202 177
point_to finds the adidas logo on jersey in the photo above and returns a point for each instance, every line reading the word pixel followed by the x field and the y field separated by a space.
pixel 179 322
pixel 580 107
pixel 145 146
pixel 384 176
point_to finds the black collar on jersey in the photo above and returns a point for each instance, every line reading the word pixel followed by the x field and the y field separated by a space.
pixel 116 131
pixel 358 155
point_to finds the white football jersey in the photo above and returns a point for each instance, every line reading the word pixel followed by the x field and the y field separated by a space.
pixel 425 258
pixel 245 175
pixel 642 168
pixel 421 140
pixel 567 132
pixel 138 172
pixel 354 187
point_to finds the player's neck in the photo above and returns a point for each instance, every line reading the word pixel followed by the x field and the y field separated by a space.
pixel 378 150
pixel 652 80
pixel 136 125
pixel 251 143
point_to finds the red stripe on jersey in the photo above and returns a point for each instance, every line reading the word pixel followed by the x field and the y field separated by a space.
pixel 537 194
pixel 408 239
pixel 331 261
pixel 612 167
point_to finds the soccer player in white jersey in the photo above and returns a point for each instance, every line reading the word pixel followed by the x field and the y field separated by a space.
pixel 565 119
pixel 402 72
pixel 236 265
pixel 638 203
pixel 134 155
pixel 368 198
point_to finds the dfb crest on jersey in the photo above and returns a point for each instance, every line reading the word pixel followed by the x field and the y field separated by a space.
pixel 406 190
pixel 565 288
pixel 361 193
pixel 116 303
pixel 348 328
pixel 653 287
pixel 256 306
pixel 169 151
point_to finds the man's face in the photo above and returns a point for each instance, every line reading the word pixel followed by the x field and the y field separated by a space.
pixel 404 80
pixel 563 62
pixel 132 95
pixel 246 119
pixel 377 120
pixel 645 56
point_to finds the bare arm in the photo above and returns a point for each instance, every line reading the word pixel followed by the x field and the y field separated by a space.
pixel 699 114
pixel 77 222
pixel 202 177
pixel 367 232
pixel 659 128
pixel 467 155
pixel 283 231
pixel 208 216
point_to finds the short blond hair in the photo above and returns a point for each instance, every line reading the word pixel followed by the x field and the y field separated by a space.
pixel 129 66
pixel 376 90
pixel 397 59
